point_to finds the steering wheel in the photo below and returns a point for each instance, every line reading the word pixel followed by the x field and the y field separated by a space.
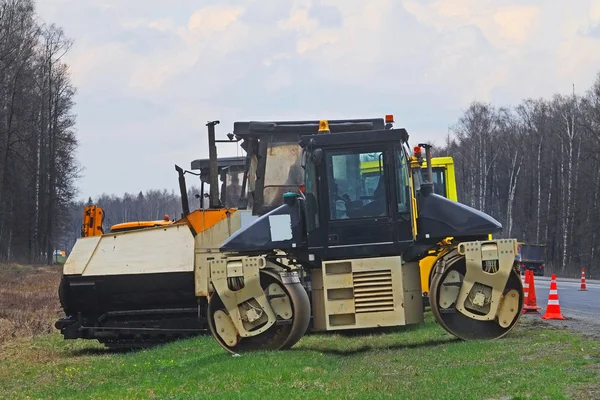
pixel 345 198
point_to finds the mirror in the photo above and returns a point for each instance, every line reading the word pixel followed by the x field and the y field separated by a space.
pixel 317 156
pixel 303 159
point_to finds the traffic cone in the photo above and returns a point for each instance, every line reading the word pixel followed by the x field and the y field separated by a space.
pixel 583 287
pixel 526 286
pixel 553 309
pixel 530 303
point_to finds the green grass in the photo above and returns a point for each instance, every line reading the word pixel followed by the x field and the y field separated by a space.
pixel 418 363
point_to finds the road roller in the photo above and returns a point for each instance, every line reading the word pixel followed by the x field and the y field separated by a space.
pixel 316 243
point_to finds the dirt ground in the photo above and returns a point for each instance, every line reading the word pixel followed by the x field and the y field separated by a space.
pixel 587 326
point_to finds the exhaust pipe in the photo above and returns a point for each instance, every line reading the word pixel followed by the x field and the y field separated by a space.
pixel 214 202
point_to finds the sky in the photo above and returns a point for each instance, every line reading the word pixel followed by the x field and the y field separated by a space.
pixel 150 74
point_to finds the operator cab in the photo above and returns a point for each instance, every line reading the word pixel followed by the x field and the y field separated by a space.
pixel 357 194
pixel 231 173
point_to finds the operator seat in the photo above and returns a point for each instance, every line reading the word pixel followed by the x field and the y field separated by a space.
pixel 377 206
pixel 380 190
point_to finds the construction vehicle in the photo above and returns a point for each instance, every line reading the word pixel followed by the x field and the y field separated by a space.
pixel 531 257
pixel 317 251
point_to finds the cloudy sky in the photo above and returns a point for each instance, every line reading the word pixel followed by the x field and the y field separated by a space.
pixel 151 73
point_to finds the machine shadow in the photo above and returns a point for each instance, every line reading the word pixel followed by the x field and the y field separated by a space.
pixel 94 351
pixel 99 351
pixel 323 348
pixel 373 331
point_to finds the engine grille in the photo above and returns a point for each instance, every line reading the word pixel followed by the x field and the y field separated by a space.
pixel 373 291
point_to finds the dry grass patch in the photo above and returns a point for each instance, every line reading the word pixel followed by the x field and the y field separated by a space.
pixel 29 303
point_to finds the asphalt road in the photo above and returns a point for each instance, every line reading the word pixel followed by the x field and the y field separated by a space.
pixel 583 305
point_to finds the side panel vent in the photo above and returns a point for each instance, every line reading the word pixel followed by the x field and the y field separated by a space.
pixel 363 293
pixel 373 291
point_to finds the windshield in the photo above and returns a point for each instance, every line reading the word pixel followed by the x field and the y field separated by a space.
pixel 356 184
pixel 231 187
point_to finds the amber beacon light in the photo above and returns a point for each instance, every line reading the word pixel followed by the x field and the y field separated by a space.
pixel 323 126
pixel 417 151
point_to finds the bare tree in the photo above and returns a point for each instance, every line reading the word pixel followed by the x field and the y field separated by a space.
pixel 536 168
pixel 37 141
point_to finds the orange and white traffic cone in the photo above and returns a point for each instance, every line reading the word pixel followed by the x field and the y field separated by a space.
pixel 530 302
pixel 526 286
pixel 583 287
pixel 553 309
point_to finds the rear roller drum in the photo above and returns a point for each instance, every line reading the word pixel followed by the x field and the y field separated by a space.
pixel 287 330
pixel 444 292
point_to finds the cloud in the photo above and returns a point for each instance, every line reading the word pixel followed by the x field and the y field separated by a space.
pixel 209 20
pixel 149 75
pixel 503 26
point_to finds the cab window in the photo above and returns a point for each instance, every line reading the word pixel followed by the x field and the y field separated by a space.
pixel 402 184
pixel 439 180
pixel 356 183
pixel 283 172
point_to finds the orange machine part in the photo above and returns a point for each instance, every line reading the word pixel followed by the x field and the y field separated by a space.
pixel 129 226
pixel 93 217
pixel 201 220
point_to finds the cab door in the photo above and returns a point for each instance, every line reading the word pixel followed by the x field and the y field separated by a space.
pixel 359 210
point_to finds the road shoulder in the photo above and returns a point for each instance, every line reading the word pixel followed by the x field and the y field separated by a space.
pixel 590 327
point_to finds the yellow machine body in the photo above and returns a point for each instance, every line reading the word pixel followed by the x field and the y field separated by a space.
pixel 444 178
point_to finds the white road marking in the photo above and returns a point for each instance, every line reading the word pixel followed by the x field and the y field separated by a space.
pixel 593 286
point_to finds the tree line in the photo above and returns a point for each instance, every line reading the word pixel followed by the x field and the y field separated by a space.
pixel 535 167
pixel 38 168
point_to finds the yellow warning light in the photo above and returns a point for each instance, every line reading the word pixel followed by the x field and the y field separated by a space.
pixel 323 126
pixel 389 119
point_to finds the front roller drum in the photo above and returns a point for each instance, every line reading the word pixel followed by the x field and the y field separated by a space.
pixel 285 299
pixel 444 293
